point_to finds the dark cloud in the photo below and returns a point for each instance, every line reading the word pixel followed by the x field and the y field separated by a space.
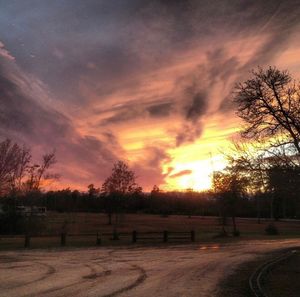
pixel 197 92
pixel 58 41
pixel 127 114
pixel 160 109
pixel 23 115
pixel 156 156
pixel 181 173
pixel 31 120
pixel 149 168
pixel 189 133
pixel 198 107
pixel 110 138
pixel 138 109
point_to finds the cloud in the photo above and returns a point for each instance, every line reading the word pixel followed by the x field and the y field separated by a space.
pixel 188 133
pixel 181 173
pixel 156 156
pixel 88 75
pixel 32 121
pixel 137 109
pixel 197 108
pixel 160 109
pixel 5 53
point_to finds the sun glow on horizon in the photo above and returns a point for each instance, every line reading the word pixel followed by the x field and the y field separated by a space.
pixel 197 175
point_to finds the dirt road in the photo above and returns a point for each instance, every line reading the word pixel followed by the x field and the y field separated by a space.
pixel 182 270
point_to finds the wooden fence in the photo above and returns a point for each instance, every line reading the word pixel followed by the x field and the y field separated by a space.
pixel 164 236
pixel 135 236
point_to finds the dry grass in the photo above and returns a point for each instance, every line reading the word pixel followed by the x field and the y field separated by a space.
pixel 88 224
pixel 79 223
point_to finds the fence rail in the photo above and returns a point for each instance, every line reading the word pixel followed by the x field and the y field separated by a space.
pixel 136 236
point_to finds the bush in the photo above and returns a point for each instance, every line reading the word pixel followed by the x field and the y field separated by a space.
pixel 222 233
pixel 236 233
pixel 11 222
pixel 271 229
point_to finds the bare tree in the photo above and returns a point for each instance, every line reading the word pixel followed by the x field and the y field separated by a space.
pixel 269 104
pixel 14 161
pixel 249 159
pixel 20 172
pixel 38 173
pixel 230 186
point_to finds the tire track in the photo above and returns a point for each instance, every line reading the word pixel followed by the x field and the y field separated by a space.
pixel 91 277
pixel 50 270
pixel 256 279
pixel 94 273
pixel 137 282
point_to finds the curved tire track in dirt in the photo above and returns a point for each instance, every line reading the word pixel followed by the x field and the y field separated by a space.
pixel 50 270
pixel 141 278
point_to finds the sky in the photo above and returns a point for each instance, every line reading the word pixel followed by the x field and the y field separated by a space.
pixel 147 82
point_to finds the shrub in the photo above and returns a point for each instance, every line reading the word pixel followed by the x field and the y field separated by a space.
pixel 11 222
pixel 222 233
pixel 271 229
pixel 236 233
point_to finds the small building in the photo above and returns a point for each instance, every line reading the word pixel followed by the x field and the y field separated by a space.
pixel 27 211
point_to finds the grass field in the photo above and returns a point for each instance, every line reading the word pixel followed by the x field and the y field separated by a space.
pixel 86 225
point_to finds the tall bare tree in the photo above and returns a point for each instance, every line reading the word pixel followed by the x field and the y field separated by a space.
pixel 249 160
pixel 39 172
pixel 269 104
pixel 229 186
pixel 17 174
pixel 14 162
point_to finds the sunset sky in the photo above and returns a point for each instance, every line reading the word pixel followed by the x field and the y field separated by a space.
pixel 148 82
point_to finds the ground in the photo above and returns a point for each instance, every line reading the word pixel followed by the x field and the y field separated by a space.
pixel 283 280
pixel 88 224
pixel 162 271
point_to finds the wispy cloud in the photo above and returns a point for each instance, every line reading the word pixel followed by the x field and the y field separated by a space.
pixel 5 53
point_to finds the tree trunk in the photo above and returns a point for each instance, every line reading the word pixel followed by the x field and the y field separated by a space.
pixel 272 207
pixel 109 218
pixel 234 225
pixel 284 207
pixel 258 208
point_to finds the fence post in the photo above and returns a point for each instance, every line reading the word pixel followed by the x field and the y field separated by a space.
pixel 98 241
pixel 193 236
pixel 165 236
pixel 63 239
pixel 27 241
pixel 134 236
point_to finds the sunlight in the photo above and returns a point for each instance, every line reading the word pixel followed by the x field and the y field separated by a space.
pixel 200 176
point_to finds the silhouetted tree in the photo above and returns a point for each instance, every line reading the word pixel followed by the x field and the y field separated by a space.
pixel 269 104
pixel 14 162
pixel 250 161
pixel 284 186
pixel 155 190
pixel 121 183
pixel 92 191
pixel 38 173
pixel 230 187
